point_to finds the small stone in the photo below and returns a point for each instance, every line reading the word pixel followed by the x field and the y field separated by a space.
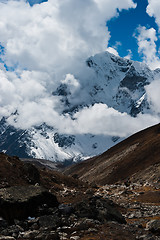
pixel 91 230
pixel 63 235
pixel 6 238
pixel 131 215
pixel 35 226
pixel 30 234
pixel 142 237
pixel 15 235
pixel 66 209
pixel 52 235
pixel 75 237
pixel 40 236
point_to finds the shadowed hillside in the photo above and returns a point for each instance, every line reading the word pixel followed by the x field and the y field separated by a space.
pixel 137 158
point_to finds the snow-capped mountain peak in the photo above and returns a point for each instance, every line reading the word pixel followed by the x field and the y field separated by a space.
pixel 116 82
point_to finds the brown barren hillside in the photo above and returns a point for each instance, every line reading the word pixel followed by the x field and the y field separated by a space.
pixel 14 172
pixel 136 159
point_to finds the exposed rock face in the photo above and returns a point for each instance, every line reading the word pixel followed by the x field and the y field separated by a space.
pixel 20 202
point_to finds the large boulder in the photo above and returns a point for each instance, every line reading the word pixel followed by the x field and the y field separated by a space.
pixel 98 208
pixel 20 202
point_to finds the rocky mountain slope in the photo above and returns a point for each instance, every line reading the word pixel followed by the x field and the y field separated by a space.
pixel 119 83
pixel 39 203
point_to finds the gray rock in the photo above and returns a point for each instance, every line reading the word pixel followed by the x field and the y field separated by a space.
pixel 20 202
pixel 66 209
pixel 14 229
pixel 29 234
pixel 98 208
pixel 6 238
pixel 3 223
pixel 41 236
pixel 50 221
pixel 35 226
pixel 52 235
pixel 75 237
pixel 153 226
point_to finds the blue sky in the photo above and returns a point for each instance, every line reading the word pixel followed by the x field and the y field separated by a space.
pixel 123 28
pixel 32 2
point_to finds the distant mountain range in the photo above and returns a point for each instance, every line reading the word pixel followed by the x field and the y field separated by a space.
pixel 119 83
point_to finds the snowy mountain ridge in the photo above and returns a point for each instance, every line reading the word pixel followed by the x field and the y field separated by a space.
pixel 119 83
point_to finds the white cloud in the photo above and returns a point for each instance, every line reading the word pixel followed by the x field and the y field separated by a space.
pixel 34 105
pixel 153 95
pixel 153 10
pixel 51 36
pixel 129 55
pixel 34 113
pixel 146 39
pixel 72 83
pixel 100 119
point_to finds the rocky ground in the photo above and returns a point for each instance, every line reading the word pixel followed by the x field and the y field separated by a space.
pixel 139 203
pixel 38 203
